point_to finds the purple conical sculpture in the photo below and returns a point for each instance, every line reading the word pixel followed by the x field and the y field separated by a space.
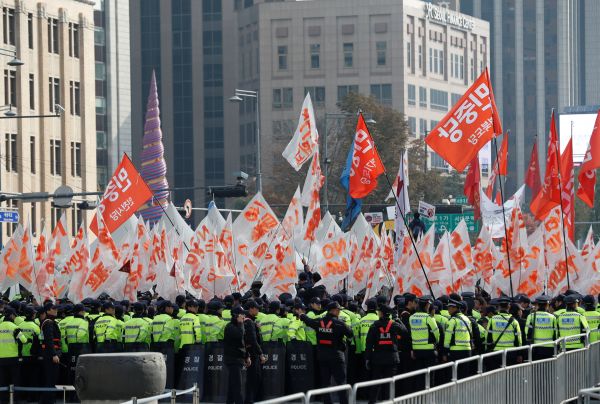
pixel 154 168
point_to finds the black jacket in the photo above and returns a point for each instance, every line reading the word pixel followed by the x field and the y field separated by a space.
pixel 235 349
pixel 252 338
pixel 330 336
pixel 51 342
pixel 384 339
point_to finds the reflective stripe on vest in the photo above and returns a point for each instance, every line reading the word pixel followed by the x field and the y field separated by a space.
pixel 384 334
pixel 326 328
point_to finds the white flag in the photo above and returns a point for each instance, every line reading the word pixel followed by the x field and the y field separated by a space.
pixel 306 138
pixel 400 189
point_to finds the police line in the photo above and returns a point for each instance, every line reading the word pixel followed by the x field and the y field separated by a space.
pixel 539 382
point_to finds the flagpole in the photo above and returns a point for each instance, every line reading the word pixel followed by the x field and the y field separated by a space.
pixel 495 142
pixel 562 210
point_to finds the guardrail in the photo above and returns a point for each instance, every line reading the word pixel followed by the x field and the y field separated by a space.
pixel 173 394
pixel 12 389
pixel 556 379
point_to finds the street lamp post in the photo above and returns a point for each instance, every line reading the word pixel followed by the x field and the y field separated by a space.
pixel 326 159
pixel 238 97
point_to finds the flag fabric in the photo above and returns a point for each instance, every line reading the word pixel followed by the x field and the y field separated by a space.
pixel 440 275
pixel 567 178
pixel 400 190
pixel 587 171
pixel 483 258
pixel 588 245
pixel 532 178
pixel 469 125
pixel 549 196
pixel 306 137
pixel 105 260
pixel 77 266
pixel 472 188
pixel 366 163
pixel 125 193
pixel 313 182
pixel 499 167
pixel 353 206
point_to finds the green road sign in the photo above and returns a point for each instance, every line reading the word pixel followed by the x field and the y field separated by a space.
pixel 449 221
pixel 461 200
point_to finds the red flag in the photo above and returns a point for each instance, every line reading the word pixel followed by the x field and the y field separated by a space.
pixel 124 194
pixel 591 161
pixel 470 124
pixel 499 198
pixel 532 178
pixel 503 156
pixel 126 268
pixel 472 187
pixel 567 177
pixel 366 164
pixel 549 195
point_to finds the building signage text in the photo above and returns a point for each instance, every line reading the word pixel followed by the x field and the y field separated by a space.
pixel 442 14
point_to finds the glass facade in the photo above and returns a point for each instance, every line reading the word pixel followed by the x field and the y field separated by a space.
pixel 101 93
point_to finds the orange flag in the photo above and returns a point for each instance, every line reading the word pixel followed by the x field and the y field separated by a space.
pixel 532 178
pixel 124 194
pixel 591 161
pixel 549 195
pixel 502 162
pixel 472 187
pixel 567 176
pixel 470 124
pixel 366 164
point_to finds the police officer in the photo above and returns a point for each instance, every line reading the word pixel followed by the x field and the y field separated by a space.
pixel 106 330
pixel 571 322
pixel 11 345
pixel 213 325
pixel 331 332
pixel 164 337
pixel 592 316
pixel 136 337
pixel 382 345
pixel 235 355
pixel 189 325
pixel 425 335
pixel 269 324
pixel 503 332
pixel 313 313
pixel 541 327
pixel 77 338
pixel 252 342
pixel 458 337
pixel 364 324
pixel 51 350
pixel 31 349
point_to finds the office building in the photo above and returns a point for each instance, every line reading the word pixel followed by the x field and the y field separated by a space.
pixel 55 41
pixel 113 86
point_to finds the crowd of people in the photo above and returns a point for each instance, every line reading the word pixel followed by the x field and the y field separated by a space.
pixel 351 340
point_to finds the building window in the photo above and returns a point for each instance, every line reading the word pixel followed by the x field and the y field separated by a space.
pixel 8 23
pixel 422 97
pixel 100 71
pixel 343 91
pixel 55 157
pixel 30 30
pixel 99 38
pixel 75 98
pixel 101 140
pixel 12 227
pixel 77 219
pixel 422 127
pixel 31 91
pixel 53 39
pixel 409 55
pixel 431 60
pixel 412 126
pixel 420 56
pixel 438 162
pixel 348 55
pixel 283 98
pixel 412 95
pixel 32 154
pixel 74 40
pixel 282 57
pixel 382 93
pixel 54 216
pixel 381 49
pixel 76 159
pixel 100 106
pixel 10 87
pixel 317 95
pixel 441 61
pixel 315 56
pixel 438 100
pixel 53 92
pixel 454 98
pixel 472 66
pixel 10 144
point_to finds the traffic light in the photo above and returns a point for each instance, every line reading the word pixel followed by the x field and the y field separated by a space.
pixel 228 191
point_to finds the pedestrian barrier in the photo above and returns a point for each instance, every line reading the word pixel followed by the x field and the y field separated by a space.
pixel 563 377
pixel 12 389
pixel 173 394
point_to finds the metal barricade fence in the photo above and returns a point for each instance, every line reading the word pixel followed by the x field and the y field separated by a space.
pixel 328 390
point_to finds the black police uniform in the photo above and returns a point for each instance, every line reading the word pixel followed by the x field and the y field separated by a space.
pixel 252 341
pixel 330 349
pixel 234 356
pixel 51 346
pixel 384 341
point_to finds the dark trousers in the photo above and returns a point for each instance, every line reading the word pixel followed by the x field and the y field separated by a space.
pixel 50 373
pixel 234 383
pixel 10 373
pixel 337 371
pixel 30 376
pixel 136 347
pixel 464 369
pixel 424 358
pixel 253 380
pixel 380 372
pixel 109 347
pixel 542 353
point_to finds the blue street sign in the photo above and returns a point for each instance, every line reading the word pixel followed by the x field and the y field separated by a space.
pixel 9 216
